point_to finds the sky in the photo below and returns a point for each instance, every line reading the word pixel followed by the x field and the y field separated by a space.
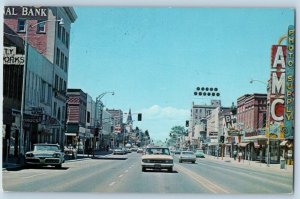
pixel 155 58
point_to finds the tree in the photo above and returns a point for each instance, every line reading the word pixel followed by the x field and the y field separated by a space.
pixel 175 133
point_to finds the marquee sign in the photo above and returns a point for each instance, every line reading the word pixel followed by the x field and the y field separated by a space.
pixel 277 86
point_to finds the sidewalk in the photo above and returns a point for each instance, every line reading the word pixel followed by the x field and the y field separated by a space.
pixel 252 164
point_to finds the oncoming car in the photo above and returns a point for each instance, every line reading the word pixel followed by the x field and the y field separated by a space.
pixel 187 156
pixel 157 158
pixel 45 154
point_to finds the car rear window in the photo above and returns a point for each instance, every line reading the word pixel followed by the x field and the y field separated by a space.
pixel 158 151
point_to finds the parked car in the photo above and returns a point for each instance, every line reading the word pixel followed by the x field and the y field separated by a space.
pixel 187 156
pixel 119 151
pixel 157 158
pixel 45 154
pixel 199 153
pixel 70 152
pixel 140 150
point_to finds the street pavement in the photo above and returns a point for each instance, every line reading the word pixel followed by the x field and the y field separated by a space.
pixel 108 155
pixel 208 175
pixel 10 166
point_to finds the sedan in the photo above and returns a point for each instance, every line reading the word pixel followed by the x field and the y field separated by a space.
pixel 45 154
pixel 200 154
pixel 119 151
pixel 187 156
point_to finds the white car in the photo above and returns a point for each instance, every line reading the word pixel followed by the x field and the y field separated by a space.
pixel 187 156
pixel 45 154
pixel 157 158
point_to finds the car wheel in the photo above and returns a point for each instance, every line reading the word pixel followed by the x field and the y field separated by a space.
pixel 193 162
pixel 143 169
pixel 170 169
pixel 180 161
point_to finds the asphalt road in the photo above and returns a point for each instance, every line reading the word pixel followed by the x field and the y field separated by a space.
pixel 125 176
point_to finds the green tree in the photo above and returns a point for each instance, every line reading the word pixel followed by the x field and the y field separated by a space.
pixel 175 133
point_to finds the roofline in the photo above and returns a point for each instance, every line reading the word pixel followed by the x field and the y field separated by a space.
pixel 71 13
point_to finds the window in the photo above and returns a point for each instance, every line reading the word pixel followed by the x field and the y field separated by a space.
pixel 21 25
pixel 57 56
pixel 54 108
pixel 65 86
pixel 49 96
pixel 56 82
pixel 59 31
pixel 66 64
pixel 41 27
pixel 67 39
pixel 63 35
pixel 62 59
pixel 88 117
pixel 43 91
pixel 60 84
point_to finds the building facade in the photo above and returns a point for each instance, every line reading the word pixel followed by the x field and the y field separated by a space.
pixel 76 118
pixel 44 94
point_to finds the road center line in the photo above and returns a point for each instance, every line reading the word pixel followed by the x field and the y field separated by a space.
pixel 126 171
pixel 203 181
pixel 120 176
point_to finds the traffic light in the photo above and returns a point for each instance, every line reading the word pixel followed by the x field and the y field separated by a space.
pixel 139 116
pixel 187 123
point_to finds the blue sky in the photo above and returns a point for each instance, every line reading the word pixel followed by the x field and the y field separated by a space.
pixel 154 58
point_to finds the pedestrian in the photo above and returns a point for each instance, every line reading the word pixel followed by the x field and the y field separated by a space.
pixel 234 154
pixel 107 148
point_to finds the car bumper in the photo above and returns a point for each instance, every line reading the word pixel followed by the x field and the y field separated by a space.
pixel 188 159
pixel 157 165
pixel 44 161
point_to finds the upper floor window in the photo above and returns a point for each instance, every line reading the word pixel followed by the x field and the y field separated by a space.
pixel 67 39
pixel 21 25
pixel 59 31
pixel 63 35
pixel 57 56
pixel 41 27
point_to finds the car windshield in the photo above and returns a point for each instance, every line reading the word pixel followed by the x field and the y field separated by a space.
pixel 187 153
pixel 46 148
pixel 158 151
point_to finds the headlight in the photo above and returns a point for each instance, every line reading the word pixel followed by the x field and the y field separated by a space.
pixel 29 155
pixel 56 155
pixel 169 161
pixel 146 161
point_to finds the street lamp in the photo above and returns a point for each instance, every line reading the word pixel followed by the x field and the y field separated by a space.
pixel 27 26
pixel 269 110
pixel 99 123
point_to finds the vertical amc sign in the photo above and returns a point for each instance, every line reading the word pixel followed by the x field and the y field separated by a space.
pixel 290 84
pixel 277 85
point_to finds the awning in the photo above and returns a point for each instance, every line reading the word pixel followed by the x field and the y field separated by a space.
pixel 70 134
pixel 283 143
pixel 243 144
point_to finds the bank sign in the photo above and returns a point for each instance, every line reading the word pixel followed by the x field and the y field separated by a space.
pixel 26 12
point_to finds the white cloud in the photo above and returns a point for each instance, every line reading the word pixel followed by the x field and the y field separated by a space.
pixel 169 113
